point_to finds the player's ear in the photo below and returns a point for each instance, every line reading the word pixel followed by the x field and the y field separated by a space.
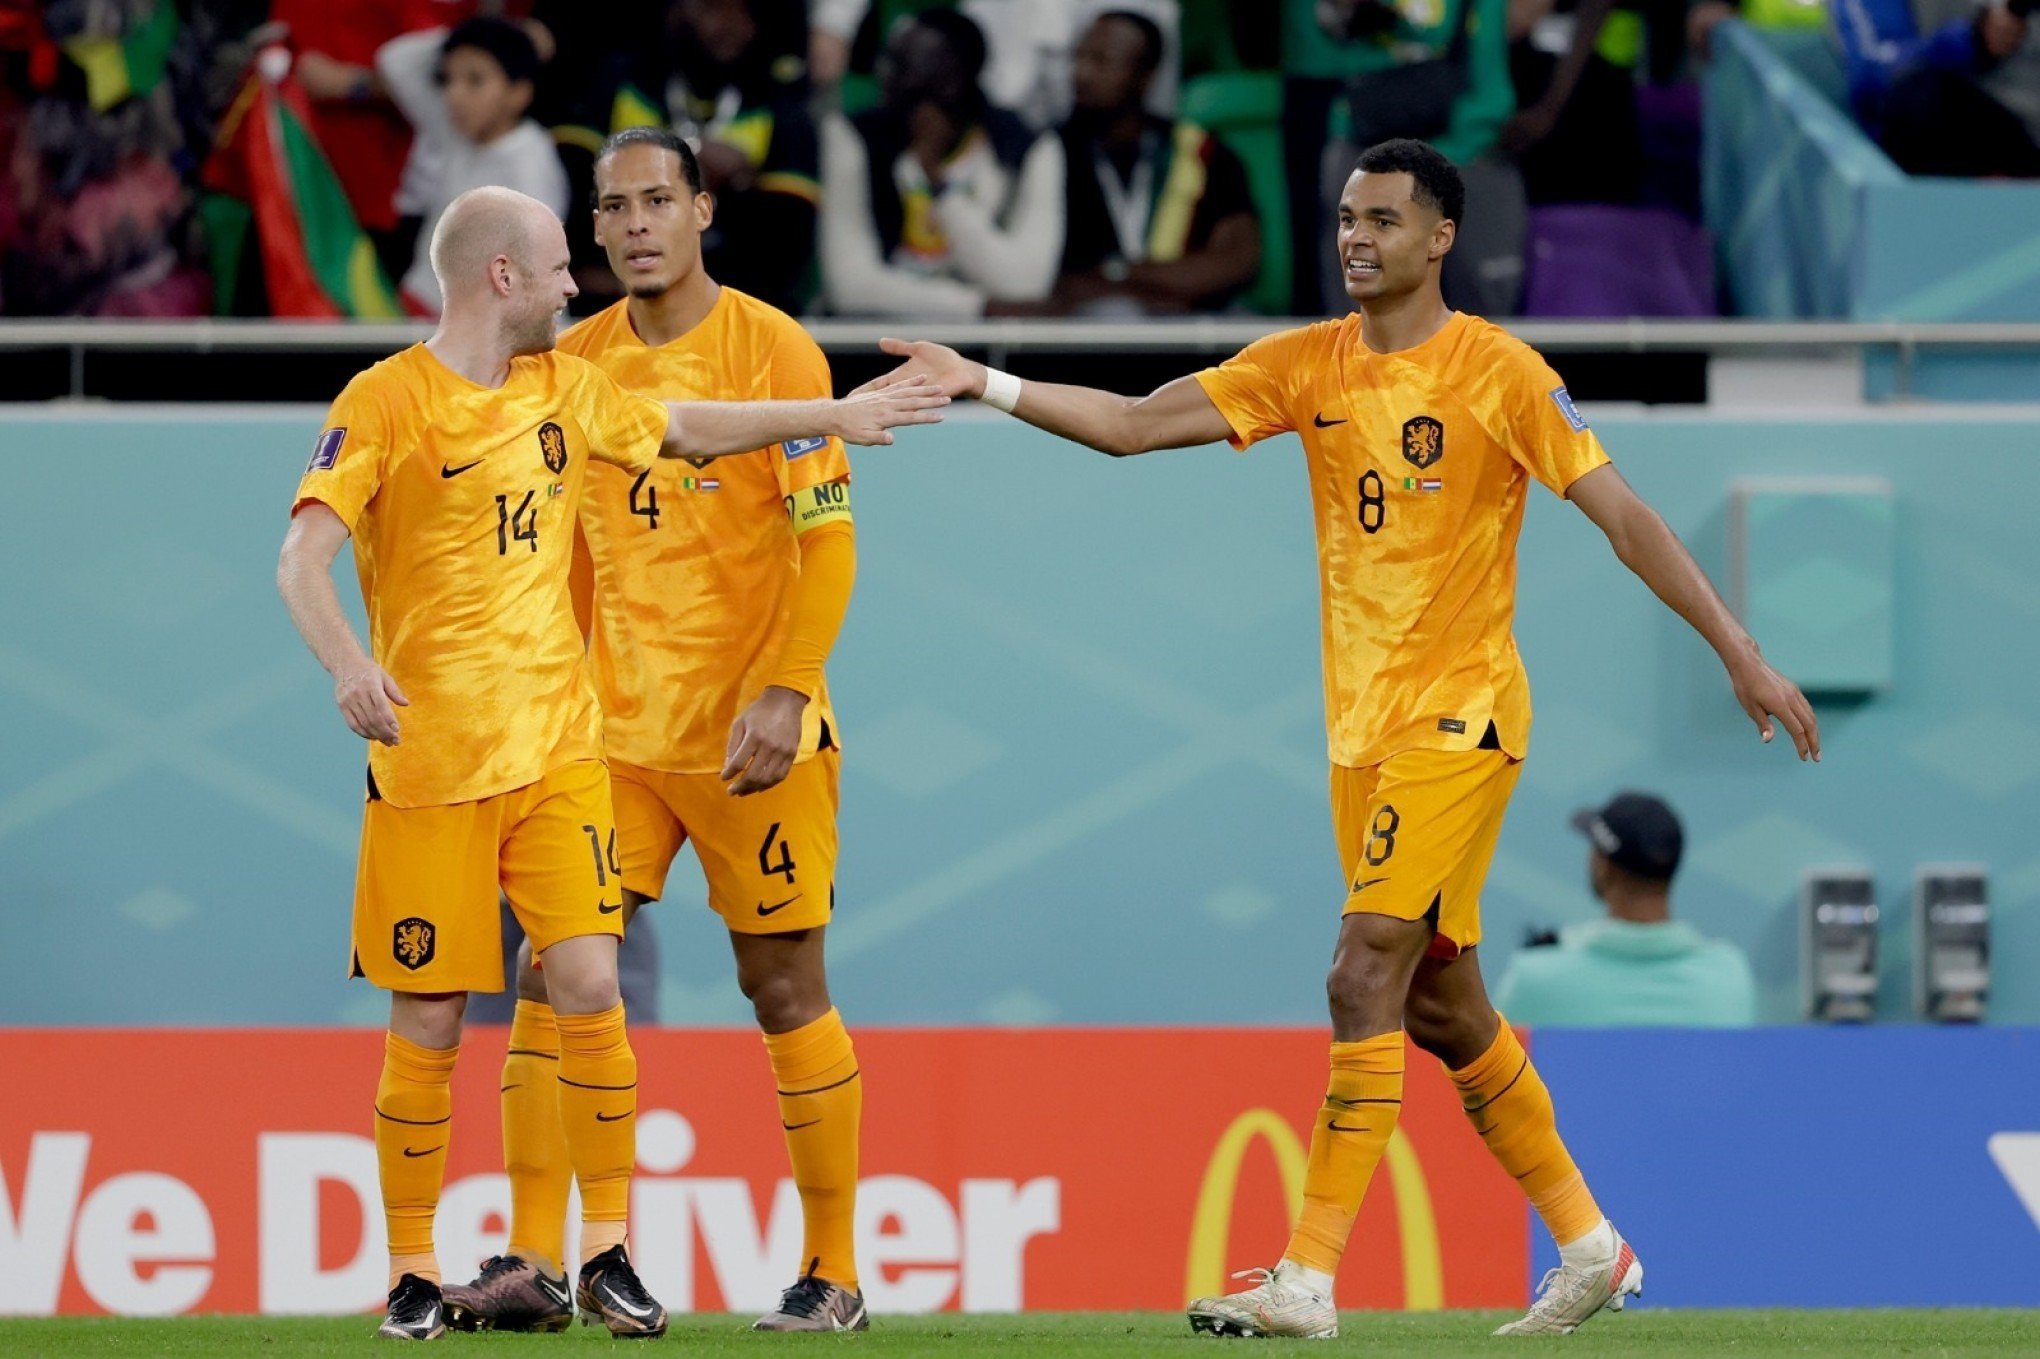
pixel 1442 237
pixel 704 210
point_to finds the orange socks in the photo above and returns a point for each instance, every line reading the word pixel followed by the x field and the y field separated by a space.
pixel 413 1113
pixel 821 1100
pixel 1352 1132
pixel 598 1114
pixel 534 1145
pixel 1511 1110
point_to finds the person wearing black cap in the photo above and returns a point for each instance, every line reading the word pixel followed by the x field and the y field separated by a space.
pixel 1637 967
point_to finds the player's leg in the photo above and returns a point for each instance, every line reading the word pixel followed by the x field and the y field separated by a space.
pixel 771 864
pixel 524 1289
pixel 559 870
pixel 426 930
pixel 1401 827
pixel 1449 1015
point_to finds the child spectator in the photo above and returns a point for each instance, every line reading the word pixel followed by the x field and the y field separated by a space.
pixel 466 92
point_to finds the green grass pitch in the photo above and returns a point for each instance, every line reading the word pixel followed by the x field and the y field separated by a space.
pixel 1080 1335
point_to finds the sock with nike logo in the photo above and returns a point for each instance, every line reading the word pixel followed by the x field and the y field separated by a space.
pixel 1353 1127
pixel 821 1101
pixel 598 1114
pixel 1511 1110
pixel 413 1112
pixel 534 1145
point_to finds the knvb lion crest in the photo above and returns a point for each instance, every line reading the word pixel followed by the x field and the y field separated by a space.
pixel 414 941
pixel 552 446
pixel 1423 441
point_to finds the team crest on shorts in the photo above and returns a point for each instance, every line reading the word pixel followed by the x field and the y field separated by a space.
pixel 1423 441
pixel 552 446
pixel 413 942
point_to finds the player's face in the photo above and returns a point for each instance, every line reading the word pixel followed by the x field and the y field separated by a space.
pixel 1389 244
pixel 648 219
pixel 545 285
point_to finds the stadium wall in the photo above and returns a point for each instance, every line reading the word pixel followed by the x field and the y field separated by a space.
pixel 1084 778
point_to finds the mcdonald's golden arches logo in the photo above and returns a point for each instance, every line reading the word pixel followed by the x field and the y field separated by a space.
pixel 1211 1226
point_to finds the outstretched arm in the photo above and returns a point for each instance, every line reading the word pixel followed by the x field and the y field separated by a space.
pixel 1175 415
pixel 1647 546
pixel 715 429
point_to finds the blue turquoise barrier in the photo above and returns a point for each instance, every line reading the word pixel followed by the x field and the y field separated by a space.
pixel 1084 779
pixel 1811 1167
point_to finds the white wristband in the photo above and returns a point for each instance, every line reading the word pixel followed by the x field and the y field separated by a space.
pixel 1002 390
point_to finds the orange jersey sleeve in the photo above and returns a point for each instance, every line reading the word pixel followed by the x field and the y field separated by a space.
pixel 626 428
pixel 1256 390
pixel 1546 432
pixel 353 452
pixel 800 372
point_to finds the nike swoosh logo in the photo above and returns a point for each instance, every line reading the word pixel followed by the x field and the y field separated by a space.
pixel 601 1117
pixel 1363 886
pixel 1340 1127
pixel 557 1291
pixel 427 1152
pixel 624 1303
pixel 450 472
pixel 1322 423
pixel 796 1127
pixel 605 909
pixel 763 909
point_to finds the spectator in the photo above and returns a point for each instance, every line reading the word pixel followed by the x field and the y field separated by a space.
pixel 725 79
pixel 357 125
pixel 1637 967
pixel 1947 87
pixel 742 102
pixel 1364 71
pixel 1575 134
pixel 937 204
pixel 467 91
pixel 1160 218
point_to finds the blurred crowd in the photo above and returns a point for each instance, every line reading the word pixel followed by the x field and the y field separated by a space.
pixel 922 158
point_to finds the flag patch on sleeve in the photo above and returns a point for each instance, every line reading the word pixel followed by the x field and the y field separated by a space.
pixel 326 452
pixel 800 448
pixel 1568 409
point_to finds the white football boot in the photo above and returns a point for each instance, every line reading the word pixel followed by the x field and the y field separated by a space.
pixel 1277 1304
pixel 1569 1295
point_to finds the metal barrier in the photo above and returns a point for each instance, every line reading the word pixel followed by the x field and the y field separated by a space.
pixel 1000 341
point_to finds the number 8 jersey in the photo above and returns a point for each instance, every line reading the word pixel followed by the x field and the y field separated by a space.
pixel 1419 461
pixel 462 501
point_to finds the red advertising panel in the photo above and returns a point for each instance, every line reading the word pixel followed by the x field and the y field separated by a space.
pixel 155 1172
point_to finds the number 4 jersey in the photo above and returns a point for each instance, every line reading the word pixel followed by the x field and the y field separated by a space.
pixel 462 502
pixel 1419 461
pixel 695 566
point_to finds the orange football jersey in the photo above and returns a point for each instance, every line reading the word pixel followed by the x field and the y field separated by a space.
pixel 1418 464
pixel 695 565
pixel 461 500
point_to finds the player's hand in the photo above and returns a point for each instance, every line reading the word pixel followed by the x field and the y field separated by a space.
pixel 365 697
pixel 1765 694
pixel 763 741
pixel 957 376
pixel 867 414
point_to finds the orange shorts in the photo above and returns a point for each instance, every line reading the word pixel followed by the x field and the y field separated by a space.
pixel 425 912
pixel 770 858
pixel 1417 833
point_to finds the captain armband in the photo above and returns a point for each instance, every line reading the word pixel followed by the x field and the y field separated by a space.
pixel 827 503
